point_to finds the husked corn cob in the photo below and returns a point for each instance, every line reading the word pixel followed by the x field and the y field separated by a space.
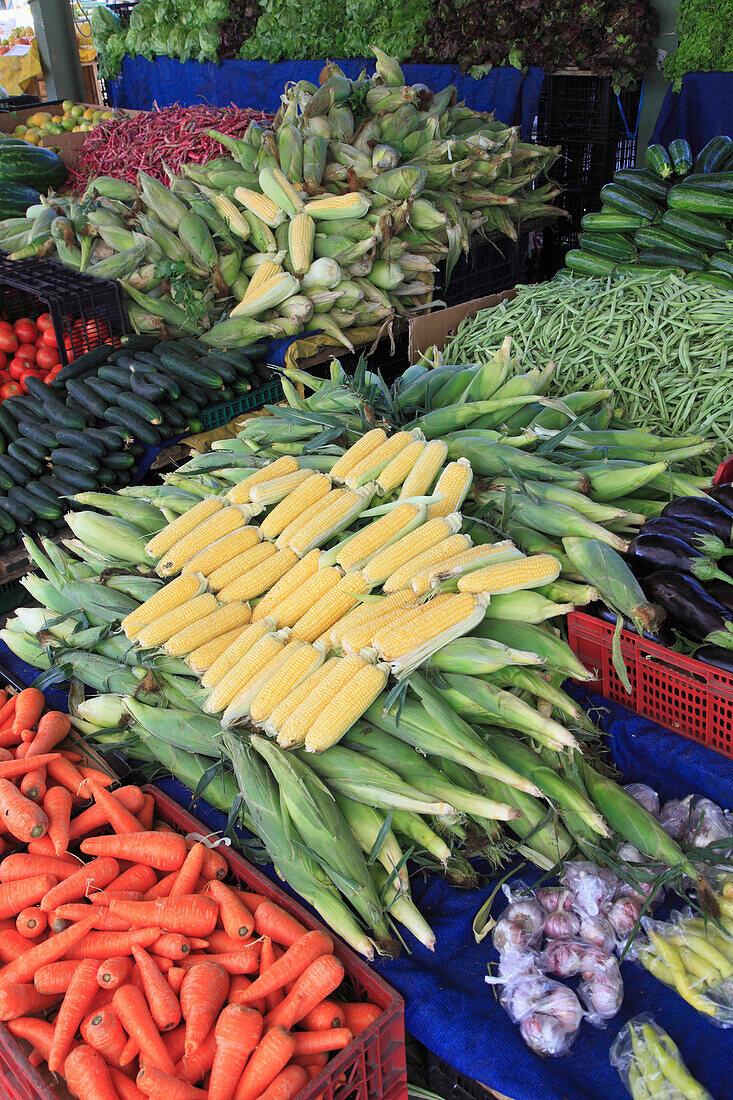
pixel 211 530
pixel 401 466
pixel 237 648
pixel 360 637
pixel 378 534
pixel 204 657
pixel 453 483
pixel 294 606
pixel 167 598
pixel 438 622
pixel 316 509
pixel 384 564
pixel 439 552
pixel 165 626
pixel 346 708
pixel 421 477
pixel 239 493
pixel 311 490
pixel 262 207
pixel 372 465
pixel 330 521
pixel 221 621
pixel 511 576
pixel 261 578
pixel 303 661
pixel 294 577
pixel 267 649
pixel 160 543
pixel 353 204
pixel 242 563
pixel 240 705
pixel 368 612
pixel 301 235
pixel 272 492
pixel 294 729
pixel 223 550
pixel 330 608
pixel 357 452
pixel 294 698
pixel 465 562
pixel 265 272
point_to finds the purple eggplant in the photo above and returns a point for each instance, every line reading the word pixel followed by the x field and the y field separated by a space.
pixel 703 512
pixel 690 610
pixel 647 553
pixel 722 591
pixel 714 655
pixel 710 545
pixel 663 636
pixel 724 495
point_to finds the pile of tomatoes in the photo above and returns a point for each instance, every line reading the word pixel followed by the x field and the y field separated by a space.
pixel 30 349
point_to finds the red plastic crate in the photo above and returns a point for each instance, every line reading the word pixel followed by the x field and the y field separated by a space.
pixel 680 693
pixel 372 1067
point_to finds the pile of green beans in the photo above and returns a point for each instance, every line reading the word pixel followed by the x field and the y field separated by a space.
pixel 664 342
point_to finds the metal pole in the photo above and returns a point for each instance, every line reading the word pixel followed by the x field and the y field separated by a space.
pixel 656 86
pixel 57 46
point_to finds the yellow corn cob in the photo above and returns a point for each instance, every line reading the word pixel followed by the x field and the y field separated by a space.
pixel 433 619
pixel 360 637
pixel 401 466
pixel 310 513
pixel 461 563
pixel 223 550
pixel 239 493
pixel 272 492
pixel 378 534
pixel 510 576
pixel 234 568
pixel 354 204
pixel 204 657
pixel 256 581
pixel 168 597
pixel 421 477
pixel 302 662
pixel 294 606
pixel 267 649
pixel 318 528
pixel 240 705
pixel 330 608
pixel 294 729
pixel 358 451
pixel 164 627
pixel 368 613
pixel 221 621
pixel 301 235
pixel 262 207
pixel 313 489
pixel 211 530
pixel 453 483
pixel 384 564
pixel 440 552
pixel 371 466
pixel 346 708
pixel 293 579
pixel 238 647
pixel 229 212
pixel 294 698
pixel 180 527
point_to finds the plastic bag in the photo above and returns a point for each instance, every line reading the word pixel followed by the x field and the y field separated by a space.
pixel 649 1063
pixel 591 888
pixel 693 957
pixel 674 817
pixel 520 926
pixel 548 1013
pixel 708 823
pixel 602 992
pixel 645 796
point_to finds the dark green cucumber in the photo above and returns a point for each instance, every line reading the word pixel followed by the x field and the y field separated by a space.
pixel 663 241
pixel 144 360
pixel 138 342
pixel 112 438
pixel 81 441
pixel 57 484
pixel 19 451
pixel 106 390
pixel 62 415
pixel 714 154
pixel 137 449
pixel 202 397
pixel 681 156
pixel 8 426
pixel 85 397
pixel 106 477
pixel 242 386
pixel 140 384
pixel 657 258
pixel 22 406
pixel 82 365
pixel 236 356
pixel 7 523
pixel 116 374
pixel 190 369
pixel 226 393
pixel 613 245
pixel 612 221
pixel 8 542
pixel 658 160
pixel 19 512
pixel 38 433
pixel 227 371
pixel 43 490
pixel 700 200
pixel 643 183
pixel 75 460
pixel 76 480
pixel 588 263
pixel 135 424
pixel 190 345
pixel 140 407
pixel 14 469
pixel 716 181
pixel 38 504
pixel 119 460
pixel 174 415
pixel 32 447
pixel 722 261
pixel 5 480
pixel 707 233
pixel 169 385
pixel 629 202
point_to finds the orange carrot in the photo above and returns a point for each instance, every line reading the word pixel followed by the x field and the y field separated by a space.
pixel 103 945
pixel 240 962
pixel 305 950
pixel 20 865
pixel 175 977
pixel 203 992
pixel 146 814
pixel 29 706
pixel 360 1015
pixel 93 875
pixel 52 729
pixel 287 1084
pixel 238 1031
pixel 21 817
pixel 139 878
pixel 214 865
pixel 62 771
pixel 23 968
pixel 161 1086
pixel 161 888
pixel 175 1042
pixel 308 1061
pixel 238 984
pixel 326 1014
pixel 11 769
pixel 33 784
pixel 164 851
pixel 104 897
pixel 12 944
pixel 236 918
pixel 219 942
pixel 93 818
pixel 270 1057
pixel 57 804
pixel 188 876
pixel 55 976
pixel 162 1001
pixel 100 777
pixel 114 972
pixel 189 914
pixel 272 921
pixel 15 896
pixel 171 945
pixel 6 754
pixel 39 1033
pixel 104 1032
pixel 121 820
pixel 74 1007
pixel 267 958
pixel 134 1015
pixel 74 757
pixel 23 999
pixel 126 1089
pixel 317 1042
pixel 87 1075
pixel 31 922
pixel 317 981
pixel 192 1067
pixel 76 910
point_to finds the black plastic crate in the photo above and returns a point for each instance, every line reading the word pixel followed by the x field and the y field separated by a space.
pixel 489 267
pixel 18 103
pixel 449 1084
pixel 123 9
pixel 571 104
pixel 31 287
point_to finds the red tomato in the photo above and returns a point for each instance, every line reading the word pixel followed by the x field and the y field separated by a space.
pixel 30 374
pixel 3 360
pixel 10 389
pixel 8 341
pixel 26 330
pixel 7 324
pixel 44 322
pixel 27 351
pixel 5 376
pixel 49 338
pixel 48 357
pixel 16 367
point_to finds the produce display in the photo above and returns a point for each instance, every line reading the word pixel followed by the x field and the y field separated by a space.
pixel 19 36
pixel 705 41
pixel 169 28
pixel 140 939
pixel 674 213
pixel 650 1064
pixel 28 349
pixel 76 118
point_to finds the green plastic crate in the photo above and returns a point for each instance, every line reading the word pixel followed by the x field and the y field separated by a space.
pixel 216 415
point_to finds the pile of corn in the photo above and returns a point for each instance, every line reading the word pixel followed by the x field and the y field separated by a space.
pixel 334 219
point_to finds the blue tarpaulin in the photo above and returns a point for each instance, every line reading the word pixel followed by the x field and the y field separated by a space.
pixel 259 84
pixel 701 110
pixel 448 1006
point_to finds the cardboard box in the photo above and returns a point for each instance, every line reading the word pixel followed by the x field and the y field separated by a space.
pixel 435 329
pixel 68 144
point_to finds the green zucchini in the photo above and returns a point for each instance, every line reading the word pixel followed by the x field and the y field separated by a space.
pixel 714 154
pixel 612 221
pixel 5 480
pixel 588 263
pixel 62 415
pixel 636 269
pixel 137 449
pixel 8 426
pixel 20 451
pixel 721 261
pixel 191 345
pixel 629 202
pixel 140 428
pixel 661 240
pixel 716 181
pixel 119 460
pixel 81 393
pixel 18 511
pixel 700 200
pixel 18 472
pixel 613 245
pixel 76 460
pixel 252 351
pixel 77 480
pixel 81 441
pixel 22 406
pixel 713 278
pixel 707 233
pixel 41 508
pixel 191 370
pixel 116 374
pixel 82 365
pixel 140 406
pixel 681 156
pixel 657 258
pixel 106 390
pixel 643 183
pixel 226 393
pixel 658 160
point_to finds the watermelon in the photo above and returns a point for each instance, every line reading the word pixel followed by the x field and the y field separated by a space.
pixel 31 166
pixel 15 200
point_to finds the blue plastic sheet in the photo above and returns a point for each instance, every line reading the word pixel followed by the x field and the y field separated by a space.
pixel 259 84
pixel 701 110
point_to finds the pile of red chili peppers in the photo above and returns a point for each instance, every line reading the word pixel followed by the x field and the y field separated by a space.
pixel 172 135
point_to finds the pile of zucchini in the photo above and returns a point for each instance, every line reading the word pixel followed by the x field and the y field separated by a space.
pixel 675 213
pixel 88 429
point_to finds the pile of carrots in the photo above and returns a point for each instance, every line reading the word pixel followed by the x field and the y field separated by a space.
pixel 139 974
